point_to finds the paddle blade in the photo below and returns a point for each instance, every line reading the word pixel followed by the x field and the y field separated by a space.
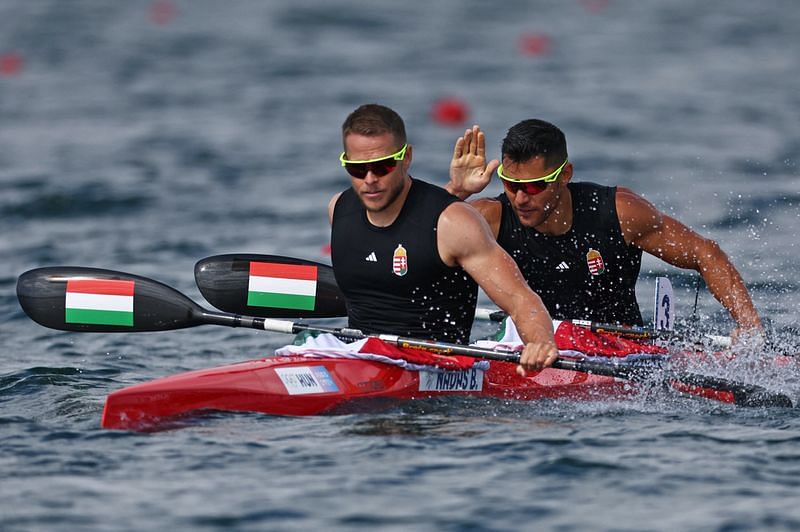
pixel 96 300
pixel 270 286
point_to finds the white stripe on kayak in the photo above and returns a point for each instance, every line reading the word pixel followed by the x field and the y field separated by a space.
pixel 79 300
pixel 276 285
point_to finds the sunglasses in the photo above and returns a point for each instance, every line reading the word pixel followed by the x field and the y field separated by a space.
pixel 529 186
pixel 380 166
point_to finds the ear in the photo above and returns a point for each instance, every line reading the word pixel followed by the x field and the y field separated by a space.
pixel 408 157
pixel 566 174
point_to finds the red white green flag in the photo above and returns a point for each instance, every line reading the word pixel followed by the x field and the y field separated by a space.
pixel 99 302
pixel 291 286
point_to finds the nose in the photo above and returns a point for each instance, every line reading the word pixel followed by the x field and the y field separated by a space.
pixel 520 196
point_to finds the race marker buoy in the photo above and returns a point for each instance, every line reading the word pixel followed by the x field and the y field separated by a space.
pixel 449 111
pixel 534 44
pixel 595 6
pixel 10 64
pixel 162 12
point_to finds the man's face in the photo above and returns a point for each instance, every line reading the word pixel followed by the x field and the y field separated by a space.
pixel 377 192
pixel 534 207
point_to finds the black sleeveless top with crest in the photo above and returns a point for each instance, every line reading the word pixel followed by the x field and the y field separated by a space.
pixel 587 273
pixel 393 279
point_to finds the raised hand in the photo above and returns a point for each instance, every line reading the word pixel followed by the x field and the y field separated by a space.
pixel 469 171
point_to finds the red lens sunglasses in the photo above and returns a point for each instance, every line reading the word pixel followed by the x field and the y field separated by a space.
pixel 380 166
pixel 530 187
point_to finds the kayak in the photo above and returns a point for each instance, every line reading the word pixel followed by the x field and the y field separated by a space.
pixel 301 386
pixel 324 375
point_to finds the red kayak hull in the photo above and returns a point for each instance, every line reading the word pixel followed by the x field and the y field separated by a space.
pixel 300 386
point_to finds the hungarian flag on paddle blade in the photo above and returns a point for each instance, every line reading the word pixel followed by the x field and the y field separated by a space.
pixel 99 302
pixel 275 285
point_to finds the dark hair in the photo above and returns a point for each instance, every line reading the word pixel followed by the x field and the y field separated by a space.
pixel 372 119
pixel 533 137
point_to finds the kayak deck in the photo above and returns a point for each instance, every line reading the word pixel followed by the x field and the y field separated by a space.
pixel 302 386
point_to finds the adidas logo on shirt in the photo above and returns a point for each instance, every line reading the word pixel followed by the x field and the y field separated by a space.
pixel 562 267
pixel 371 257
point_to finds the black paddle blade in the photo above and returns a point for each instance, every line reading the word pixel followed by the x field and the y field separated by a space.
pixel 95 300
pixel 739 393
pixel 270 286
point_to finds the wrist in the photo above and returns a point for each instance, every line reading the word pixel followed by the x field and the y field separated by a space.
pixel 456 191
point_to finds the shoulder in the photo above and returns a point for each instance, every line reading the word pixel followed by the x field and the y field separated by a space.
pixel 460 211
pixel 332 205
pixel 429 190
pixel 461 232
pixel 490 208
pixel 637 216
pixel 631 204
pixel 461 220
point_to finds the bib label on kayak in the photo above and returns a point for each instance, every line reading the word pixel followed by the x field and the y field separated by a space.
pixel 470 380
pixel 306 379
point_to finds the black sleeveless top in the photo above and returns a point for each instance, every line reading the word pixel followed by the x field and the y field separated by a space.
pixel 587 273
pixel 393 279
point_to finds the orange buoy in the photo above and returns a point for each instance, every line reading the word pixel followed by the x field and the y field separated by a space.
pixel 595 6
pixel 449 111
pixel 162 12
pixel 534 44
pixel 10 64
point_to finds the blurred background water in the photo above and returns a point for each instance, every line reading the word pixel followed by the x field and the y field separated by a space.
pixel 142 136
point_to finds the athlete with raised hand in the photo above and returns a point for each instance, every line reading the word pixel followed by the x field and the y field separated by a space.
pixel 579 244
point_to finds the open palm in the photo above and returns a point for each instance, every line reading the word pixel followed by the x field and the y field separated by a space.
pixel 469 171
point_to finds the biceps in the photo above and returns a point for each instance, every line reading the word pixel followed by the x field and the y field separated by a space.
pixel 676 244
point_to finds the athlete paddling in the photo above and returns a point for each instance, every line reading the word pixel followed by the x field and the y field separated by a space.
pixel 579 245
pixel 409 257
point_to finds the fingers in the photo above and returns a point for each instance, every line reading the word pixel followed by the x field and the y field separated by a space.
pixel 458 149
pixel 491 166
pixel 537 356
pixel 472 143
pixel 468 141
pixel 481 143
pixel 475 141
pixel 748 338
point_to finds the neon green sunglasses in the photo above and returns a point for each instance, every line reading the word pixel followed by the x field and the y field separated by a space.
pixel 529 186
pixel 380 166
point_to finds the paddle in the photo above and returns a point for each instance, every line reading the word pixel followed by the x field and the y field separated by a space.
pixel 224 280
pixel 97 300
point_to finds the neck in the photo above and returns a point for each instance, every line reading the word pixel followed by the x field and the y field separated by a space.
pixel 559 220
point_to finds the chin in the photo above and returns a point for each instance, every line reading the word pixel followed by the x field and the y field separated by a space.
pixel 530 220
pixel 373 206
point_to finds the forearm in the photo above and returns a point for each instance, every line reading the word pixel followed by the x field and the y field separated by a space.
pixel 678 245
pixel 532 320
pixel 509 291
pixel 727 286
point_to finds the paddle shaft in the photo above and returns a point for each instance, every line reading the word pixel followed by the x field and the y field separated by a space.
pixel 647 370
